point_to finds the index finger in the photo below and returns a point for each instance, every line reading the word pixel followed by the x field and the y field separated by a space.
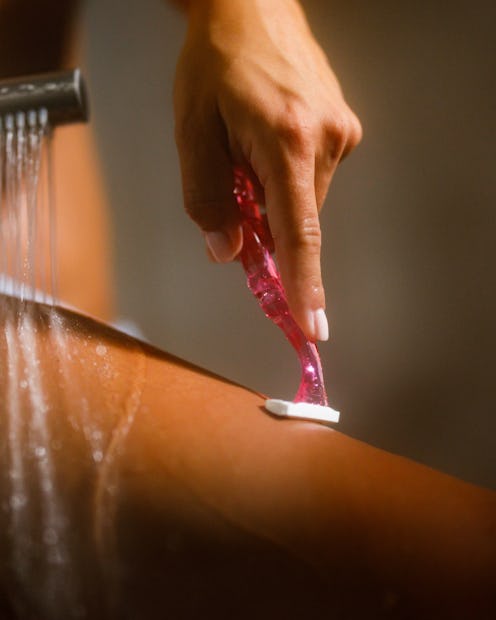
pixel 294 223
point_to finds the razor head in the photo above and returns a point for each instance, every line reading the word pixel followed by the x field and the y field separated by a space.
pixel 62 94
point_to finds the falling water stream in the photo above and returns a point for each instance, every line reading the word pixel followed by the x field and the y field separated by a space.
pixel 43 554
pixel 27 231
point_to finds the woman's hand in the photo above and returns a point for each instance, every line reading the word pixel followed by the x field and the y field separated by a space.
pixel 254 89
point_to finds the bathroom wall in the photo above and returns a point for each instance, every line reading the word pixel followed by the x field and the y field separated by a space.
pixel 409 224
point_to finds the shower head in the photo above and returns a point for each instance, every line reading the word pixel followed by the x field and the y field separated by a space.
pixel 62 94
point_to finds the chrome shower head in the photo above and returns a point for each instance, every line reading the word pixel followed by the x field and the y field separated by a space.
pixel 62 94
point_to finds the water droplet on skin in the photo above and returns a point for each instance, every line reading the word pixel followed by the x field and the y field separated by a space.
pixel 23 384
pixel 47 486
pixel 97 456
pixel 54 557
pixel 101 350
pixel 50 537
pixel 18 501
pixel 40 452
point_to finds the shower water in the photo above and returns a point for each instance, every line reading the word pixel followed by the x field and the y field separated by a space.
pixel 27 209
pixel 37 547
pixel 41 555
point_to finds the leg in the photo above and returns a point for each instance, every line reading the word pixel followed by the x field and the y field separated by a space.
pixel 178 492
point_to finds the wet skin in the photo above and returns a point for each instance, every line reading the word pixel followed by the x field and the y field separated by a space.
pixel 180 493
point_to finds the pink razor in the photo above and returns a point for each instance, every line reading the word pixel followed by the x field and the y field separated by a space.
pixel 264 282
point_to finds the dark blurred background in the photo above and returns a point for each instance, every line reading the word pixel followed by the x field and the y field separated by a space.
pixel 409 225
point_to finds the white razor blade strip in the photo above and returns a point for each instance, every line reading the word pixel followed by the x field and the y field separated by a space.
pixel 301 411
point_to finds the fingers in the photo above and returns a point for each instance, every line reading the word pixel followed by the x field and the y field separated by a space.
pixel 207 179
pixel 293 150
pixel 294 222
pixel 297 165
pixel 265 96
pixel 354 133
pixel 299 160
pixel 341 133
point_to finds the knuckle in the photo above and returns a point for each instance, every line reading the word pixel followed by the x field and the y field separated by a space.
pixel 307 236
pixel 343 133
pixel 295 127
pixel 356 131
pixel 337 132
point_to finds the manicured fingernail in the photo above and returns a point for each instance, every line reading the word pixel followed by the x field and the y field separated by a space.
pixel 220 245
pixel 320 325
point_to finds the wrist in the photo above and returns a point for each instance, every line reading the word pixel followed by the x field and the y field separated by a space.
pixel 252 21
pixel 238 8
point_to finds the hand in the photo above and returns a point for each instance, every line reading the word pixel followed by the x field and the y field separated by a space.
pixel 254 89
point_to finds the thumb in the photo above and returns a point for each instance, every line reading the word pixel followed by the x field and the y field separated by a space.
pixel 207 180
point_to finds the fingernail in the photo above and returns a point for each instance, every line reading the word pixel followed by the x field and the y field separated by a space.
pixel 320 325
pixel 220 245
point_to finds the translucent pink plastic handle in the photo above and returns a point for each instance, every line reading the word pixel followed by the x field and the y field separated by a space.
pixel 264 282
